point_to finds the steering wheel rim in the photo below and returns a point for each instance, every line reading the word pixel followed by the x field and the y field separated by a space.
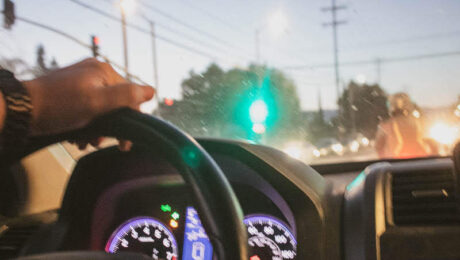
pixel 220 210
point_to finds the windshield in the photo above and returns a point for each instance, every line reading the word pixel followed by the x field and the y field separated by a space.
pixel 325 82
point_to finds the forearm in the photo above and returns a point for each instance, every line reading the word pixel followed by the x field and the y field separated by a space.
pixel 34 100
pixel 2 111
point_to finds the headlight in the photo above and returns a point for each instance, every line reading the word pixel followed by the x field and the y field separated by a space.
pixel 444 133
pixel 316 153
pixel 337 148
pixel 354 146
pixel 457 112
pixel 364 141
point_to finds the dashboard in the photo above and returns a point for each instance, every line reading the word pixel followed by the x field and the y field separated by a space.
pixel 132 210
pixel 138 202
pixel 163 223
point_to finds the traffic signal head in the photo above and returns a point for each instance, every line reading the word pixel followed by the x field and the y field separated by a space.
pixel 95 45
pixel 8 14
pixel 169 101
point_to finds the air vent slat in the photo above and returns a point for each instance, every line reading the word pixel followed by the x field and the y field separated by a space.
pixel 425 198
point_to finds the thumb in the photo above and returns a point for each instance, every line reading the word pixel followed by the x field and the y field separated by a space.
pixel 125 95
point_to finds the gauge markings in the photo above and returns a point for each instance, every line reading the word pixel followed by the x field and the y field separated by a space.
pixel 269 238
pixel 144 235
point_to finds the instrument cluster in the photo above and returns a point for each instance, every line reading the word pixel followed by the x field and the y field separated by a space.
pixel 268 237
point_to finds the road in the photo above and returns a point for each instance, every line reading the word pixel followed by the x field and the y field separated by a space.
pixel 366 154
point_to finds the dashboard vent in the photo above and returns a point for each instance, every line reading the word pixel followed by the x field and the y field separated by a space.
pixel 13 238
pixel 425 198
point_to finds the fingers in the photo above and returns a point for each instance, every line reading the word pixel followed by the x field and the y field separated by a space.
pixel 102 69
pixel 124 95
pixel 125 145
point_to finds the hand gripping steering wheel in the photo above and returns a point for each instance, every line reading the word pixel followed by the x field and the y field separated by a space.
pixel 218 206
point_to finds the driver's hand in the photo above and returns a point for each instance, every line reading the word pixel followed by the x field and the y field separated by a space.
pixel 69 98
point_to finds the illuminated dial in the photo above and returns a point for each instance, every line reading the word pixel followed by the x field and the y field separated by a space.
pixel 269 238
pixel 144 235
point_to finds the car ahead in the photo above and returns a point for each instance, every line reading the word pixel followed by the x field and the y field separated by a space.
pixel 329 146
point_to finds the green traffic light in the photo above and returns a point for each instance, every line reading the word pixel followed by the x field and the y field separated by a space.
pixel 258 111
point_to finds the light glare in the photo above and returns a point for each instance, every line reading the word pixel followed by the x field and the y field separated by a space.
pixel 337 148
pixel 128 6
pixel 443 133
pixel 294 151
pixel 258 128
pixel 316 153
pixel 354 146
pixel 258 111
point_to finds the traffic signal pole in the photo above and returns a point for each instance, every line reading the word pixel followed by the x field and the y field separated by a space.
pixel 8 14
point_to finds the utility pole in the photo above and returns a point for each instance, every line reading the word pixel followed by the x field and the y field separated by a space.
pixel 378 70
pixel 125 42
pixel 334 23
pixel 320 106
pixel 155 64
pixel 154 56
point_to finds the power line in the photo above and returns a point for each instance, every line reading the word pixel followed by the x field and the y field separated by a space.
pixel 235 28
pixel 190 27
pixel 145 31
pixel 168 28
pixel 211 15
pixel 413 38
pixel 380 60
pixel 75 40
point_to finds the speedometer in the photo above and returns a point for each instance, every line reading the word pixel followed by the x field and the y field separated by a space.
pixel 144 235
pixel 269 238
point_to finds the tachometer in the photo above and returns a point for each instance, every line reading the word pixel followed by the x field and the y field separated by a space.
pixel 144 235
pixel 269 238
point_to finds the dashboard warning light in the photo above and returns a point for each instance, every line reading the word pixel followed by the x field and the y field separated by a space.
pixel 173 223
pixel 175 215
pixel 165 208
pixel 254 257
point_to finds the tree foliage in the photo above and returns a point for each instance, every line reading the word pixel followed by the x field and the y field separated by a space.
pixel 216 103
pixel 42 67
pixel 361 108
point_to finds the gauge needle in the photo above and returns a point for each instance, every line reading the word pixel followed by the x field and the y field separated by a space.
pixel 145 239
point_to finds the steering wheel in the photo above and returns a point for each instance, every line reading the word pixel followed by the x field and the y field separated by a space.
pixel 218 206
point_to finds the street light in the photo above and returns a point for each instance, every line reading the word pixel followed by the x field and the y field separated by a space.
pixel 277 24
pixel 126 7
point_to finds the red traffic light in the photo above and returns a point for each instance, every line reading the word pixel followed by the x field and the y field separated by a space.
pixel 169 101
pixel 95 40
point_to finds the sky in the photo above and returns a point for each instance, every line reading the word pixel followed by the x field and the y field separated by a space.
pixel 224 32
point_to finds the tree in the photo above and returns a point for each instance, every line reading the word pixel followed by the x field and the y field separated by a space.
pixel 54 65
pixel 317 127
pixel 361 108
pixel 17 66
pixel 41 65
pixel 216 103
